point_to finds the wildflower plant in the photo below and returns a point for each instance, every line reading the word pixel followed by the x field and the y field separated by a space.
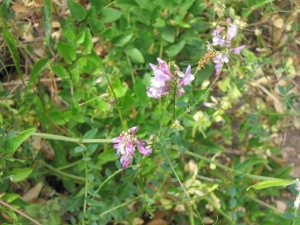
pixel 164 80
pixel 198 161
pixel 224 41
pixel 126 143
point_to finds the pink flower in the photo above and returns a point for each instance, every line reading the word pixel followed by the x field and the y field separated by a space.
pixel 238 49
pixel 222 58
pixel 125 145
pixel 231 32
pixel 161 83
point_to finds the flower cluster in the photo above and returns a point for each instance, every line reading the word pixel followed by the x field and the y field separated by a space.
pixel 126 143
pixel 164 81
pixel 222 58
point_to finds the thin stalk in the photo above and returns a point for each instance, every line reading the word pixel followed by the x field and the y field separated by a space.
pixel 67 175
pixel 264 204
pixel 19 212
pixel 131 71
pixel 218 209
pixel 63 138
pixel 88 101
pixel 85 190
pixel 117 103
pixel 191 211
pixel 161 49
pixel 119 206
pixel 227 168
pixel 163 117
pixel 184 189
pixel 174 108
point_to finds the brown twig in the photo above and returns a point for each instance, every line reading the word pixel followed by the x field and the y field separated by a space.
pixel 19 212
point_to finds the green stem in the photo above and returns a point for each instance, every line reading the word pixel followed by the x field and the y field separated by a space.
pixel 117 103
pixel 63 138
pixel 192 220
pixel 264 204
pixel 161 49
pixel 88 101
pixel 163 117
pixel 119 206
pixel 174 108
pixel 70 176
pixel 85 190
pixel 184 189
pixel 217 209
pixel 131 69
pixel 229 169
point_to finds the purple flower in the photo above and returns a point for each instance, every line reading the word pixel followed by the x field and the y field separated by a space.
pixel 219 60
pixel 222 58
pixel 238 49
pixel 231 32
pixel 163 80
pixel 125 145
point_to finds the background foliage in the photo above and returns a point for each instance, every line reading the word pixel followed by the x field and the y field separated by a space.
pixel 74 75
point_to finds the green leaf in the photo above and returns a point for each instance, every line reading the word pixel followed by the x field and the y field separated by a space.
pixel 168 33
pixel 106 156
pixel 119 88
pixel 97 26
pixel 60 72
pixel 232 191
pixel 10 197
pixel 19 139
pixel 19 174
pixel 98 4
pixel 232 202
pixel 248 11
pixel 88 44
pixel 135 55
pixel 175 48
pixel 47 14
pixel 122 39
pixel 69 35
pixel 78 11
pixel 10 41
pixel 4 9
pixel 33 210
pixel 80 38
pixel 67 51
pixel 110 15
pixel 90 134
pixel 36 70
pixel 271 183
pixel 75 75
pixel 57 117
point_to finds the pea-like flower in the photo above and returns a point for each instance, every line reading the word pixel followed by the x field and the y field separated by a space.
pixel 221 40
pixel 164 81
pixel 126 143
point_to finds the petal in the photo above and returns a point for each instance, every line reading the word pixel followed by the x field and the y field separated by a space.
pixel 218 58
pixel 125 161
pixel 141 147
pixel 188 78
pixel 129 147
pixel 133 130
pixel 160 79
pixel 157 92
pixel 163 66
pixel 238 49
pixel 231 32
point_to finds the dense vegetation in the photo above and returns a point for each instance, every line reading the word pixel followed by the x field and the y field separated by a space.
pixel 149 112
